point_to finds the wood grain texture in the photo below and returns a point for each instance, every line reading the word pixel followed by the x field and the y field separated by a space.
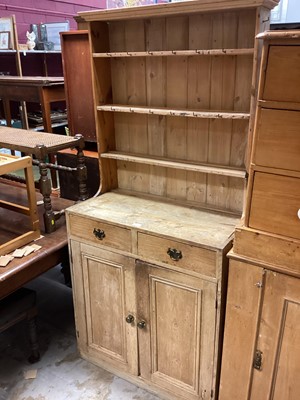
pixel 108 297
pixel 241 324
pixel 279 340
pixel 208 229
pixel 176 88
pixel 277 141
pixel 181 311
pixel 282 75
pixel 174 9
pixel 259 246
pixel 275 204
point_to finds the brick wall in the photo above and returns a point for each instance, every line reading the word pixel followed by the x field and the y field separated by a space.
pixel 44 11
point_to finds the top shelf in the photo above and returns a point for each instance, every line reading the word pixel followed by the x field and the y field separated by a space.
pixel 173 9
pixel 168 53
pixel 31 51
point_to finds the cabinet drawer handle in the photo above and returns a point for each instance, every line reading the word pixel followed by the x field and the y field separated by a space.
pixel 298 213
pixel 174 254
pixel 99 233
pixel 129 319
pixel 141 324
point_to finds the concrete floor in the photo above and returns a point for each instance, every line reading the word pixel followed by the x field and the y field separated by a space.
pixel 60 374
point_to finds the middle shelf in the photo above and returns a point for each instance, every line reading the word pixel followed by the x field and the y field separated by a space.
pixel 178 164
pixel 212 114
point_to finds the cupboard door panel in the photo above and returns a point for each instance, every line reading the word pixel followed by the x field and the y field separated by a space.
pixel 279 341
pixel 244 297
pixel 108 297
pixel 177 344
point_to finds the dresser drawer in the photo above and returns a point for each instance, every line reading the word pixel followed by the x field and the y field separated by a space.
pixel 283 74
pixel 178 254
pixel 277 140
pixel 99 232
pixel 275 204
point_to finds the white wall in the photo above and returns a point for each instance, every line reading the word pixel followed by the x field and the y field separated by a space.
pixel 287 11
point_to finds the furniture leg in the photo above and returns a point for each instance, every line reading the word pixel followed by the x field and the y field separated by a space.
pixel 45 189
pixel 65 268
pixel 7 113
pixel 81 172
pixel 46 114
pixel 32 331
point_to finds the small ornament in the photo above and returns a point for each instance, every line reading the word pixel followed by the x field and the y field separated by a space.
pixel 30 40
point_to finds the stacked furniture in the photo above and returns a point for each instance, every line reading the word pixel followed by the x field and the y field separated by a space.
pixel 9 164
pixel 77 69
pixel 262 335
pixel 174 86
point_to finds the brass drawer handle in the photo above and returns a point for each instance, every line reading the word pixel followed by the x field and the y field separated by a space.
pixel 99 234
pixel 174 254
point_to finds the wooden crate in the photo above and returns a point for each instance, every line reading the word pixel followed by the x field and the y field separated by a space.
pixel 10 164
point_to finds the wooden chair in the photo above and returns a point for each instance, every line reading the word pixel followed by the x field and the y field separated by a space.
pixel 19 306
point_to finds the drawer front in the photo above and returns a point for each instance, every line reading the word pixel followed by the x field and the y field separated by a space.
pixel 275 204
pixel 99 232
pixel 177 254
pixel 283 74
pixel 277 142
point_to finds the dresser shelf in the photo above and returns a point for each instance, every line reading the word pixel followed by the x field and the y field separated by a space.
pixel 178 164
pixel 170 53
pixel 173 112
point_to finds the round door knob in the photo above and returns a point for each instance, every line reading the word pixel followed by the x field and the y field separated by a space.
pixel 129 319
pixel 298 213
pixel 141 324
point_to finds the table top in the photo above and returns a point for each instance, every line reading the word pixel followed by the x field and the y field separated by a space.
pixel 31 80
pixel 54 245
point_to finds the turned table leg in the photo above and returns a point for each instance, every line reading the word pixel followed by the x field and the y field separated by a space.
pixel 46 189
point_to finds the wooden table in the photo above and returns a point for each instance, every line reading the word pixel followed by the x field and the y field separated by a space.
pixel 34 89
pixel 54 245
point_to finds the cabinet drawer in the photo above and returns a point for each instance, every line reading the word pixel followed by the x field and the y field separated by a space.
pixel 100 232
pixel 189 257
pixel 277 142
pixel 275 204
pixel 283 74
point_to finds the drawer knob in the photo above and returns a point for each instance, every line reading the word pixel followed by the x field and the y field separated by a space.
pixel 99 234
pixel 298 213
pixel 129 319
pixel 141 324
pixel 174 254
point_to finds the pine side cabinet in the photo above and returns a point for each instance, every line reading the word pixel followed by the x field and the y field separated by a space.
pixel 262 330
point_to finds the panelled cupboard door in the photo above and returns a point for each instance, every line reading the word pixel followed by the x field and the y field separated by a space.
pixel 244 299
pixel 176 343
pixel 279 341
pixel 108 297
